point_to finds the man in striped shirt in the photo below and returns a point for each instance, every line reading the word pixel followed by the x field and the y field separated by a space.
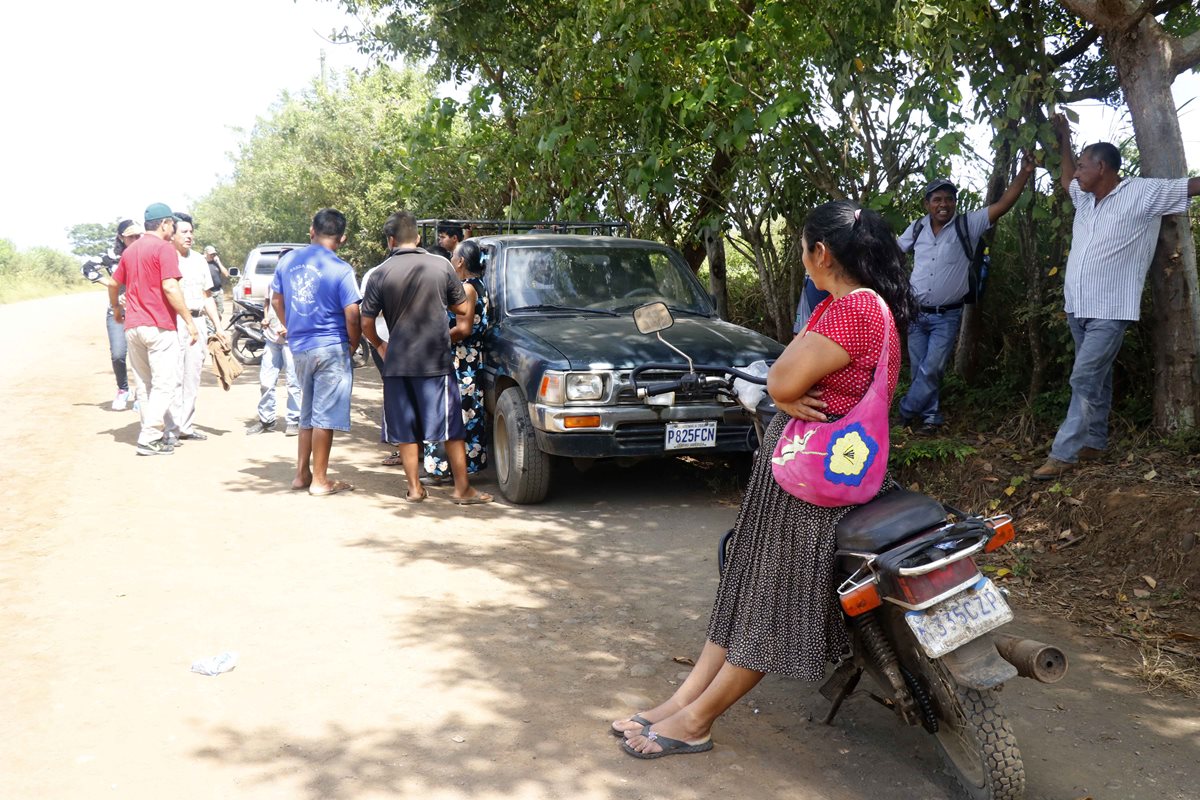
pixel 1112 244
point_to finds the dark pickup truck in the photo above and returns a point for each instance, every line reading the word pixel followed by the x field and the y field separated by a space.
pixel 561 344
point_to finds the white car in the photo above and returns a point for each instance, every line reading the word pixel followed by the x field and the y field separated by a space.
pixel 260 269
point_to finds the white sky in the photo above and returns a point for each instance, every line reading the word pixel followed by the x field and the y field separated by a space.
pixel 111 105
pixel 91 85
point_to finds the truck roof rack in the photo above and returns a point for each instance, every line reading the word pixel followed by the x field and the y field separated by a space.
pixel 492 227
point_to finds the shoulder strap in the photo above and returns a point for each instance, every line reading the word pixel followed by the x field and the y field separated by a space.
pixel 917 228
pixel 960 228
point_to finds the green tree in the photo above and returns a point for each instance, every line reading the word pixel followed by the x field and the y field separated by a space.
pixel 364 144
pixel 90 239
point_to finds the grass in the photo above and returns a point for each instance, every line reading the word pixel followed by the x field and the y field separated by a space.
pixel 1161 671
pixel 16 288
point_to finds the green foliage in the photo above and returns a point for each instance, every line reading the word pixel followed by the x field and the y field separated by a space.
pixel 37 272
pixel 908 451
pixel 90 239
pixel 367 145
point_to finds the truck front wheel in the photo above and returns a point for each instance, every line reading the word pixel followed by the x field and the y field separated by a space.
pixel 522 470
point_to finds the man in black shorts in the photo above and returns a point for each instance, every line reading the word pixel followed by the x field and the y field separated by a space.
pixel 415 290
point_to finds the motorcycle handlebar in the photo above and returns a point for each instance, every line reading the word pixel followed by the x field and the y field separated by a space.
pixel 708 369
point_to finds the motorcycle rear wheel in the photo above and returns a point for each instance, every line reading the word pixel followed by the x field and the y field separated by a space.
pixel 245 349
pixel 974 737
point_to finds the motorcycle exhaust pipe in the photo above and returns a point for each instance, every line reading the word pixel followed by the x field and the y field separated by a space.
pixel 1042 662
pixel 251 333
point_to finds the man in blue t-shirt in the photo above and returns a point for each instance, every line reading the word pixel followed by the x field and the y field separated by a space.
pixel 315 294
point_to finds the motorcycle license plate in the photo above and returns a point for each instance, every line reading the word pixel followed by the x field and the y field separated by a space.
pixel 688 435
pixel 954 622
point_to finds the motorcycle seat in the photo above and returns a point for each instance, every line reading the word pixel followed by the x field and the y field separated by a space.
pixel 897 515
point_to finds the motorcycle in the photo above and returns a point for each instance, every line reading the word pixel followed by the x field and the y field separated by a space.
pixel 247 339
pixel 923 619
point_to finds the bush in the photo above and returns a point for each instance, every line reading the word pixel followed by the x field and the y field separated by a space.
pixel 38 272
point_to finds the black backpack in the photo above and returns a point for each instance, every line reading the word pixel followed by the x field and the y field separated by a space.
pixel 980 259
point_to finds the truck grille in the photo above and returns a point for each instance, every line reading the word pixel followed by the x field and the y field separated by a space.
pixel 627 397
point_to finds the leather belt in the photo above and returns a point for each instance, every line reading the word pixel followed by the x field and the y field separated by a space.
pixel 941 309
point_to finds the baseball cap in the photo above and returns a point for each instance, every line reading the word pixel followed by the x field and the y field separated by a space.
pixel 130 228
pixel 939 183
pixel 158 211
pixel 209 250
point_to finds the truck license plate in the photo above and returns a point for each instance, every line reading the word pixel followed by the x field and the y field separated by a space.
pixel 684 435
pixel 954 622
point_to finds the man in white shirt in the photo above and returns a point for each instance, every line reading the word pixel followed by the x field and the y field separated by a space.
pixel 1112 243
pixel 196 285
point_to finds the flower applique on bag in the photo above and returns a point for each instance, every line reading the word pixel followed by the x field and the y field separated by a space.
pixel 840 463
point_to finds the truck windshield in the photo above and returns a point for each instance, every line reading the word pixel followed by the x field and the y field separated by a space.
pixel 600 279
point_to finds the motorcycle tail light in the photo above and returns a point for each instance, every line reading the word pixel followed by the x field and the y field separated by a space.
pixel 1002 532
pixel 860 599
pixel 917 589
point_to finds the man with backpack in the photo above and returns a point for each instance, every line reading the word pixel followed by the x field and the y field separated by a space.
pixel 945 246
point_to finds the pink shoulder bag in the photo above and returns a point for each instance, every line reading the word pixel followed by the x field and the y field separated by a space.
pixel 840 463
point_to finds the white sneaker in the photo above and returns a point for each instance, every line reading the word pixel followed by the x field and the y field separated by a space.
pixel 121 401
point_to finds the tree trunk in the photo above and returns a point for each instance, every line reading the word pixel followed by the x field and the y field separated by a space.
pixel 1027 254
pixel 966 358
pixel 714 245
pixel 1142 56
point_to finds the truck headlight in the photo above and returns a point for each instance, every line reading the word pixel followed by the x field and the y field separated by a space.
pixel 584 386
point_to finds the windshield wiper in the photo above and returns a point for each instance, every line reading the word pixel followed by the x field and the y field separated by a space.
pixel 550 307
pixel 672 309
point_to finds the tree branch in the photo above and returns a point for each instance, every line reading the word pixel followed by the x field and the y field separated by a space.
pixel 1185 53
pixel 1097 92
pixel 1097 12
pixel 1076 50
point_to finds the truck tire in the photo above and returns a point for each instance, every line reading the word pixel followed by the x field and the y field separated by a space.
pixel 522 470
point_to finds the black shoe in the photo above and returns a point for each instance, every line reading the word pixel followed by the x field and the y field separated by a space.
pixel 159 447
pixel 195 436
pixel 929 429
pixel 260 427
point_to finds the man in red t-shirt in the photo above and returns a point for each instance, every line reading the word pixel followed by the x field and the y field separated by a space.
pixel 149 271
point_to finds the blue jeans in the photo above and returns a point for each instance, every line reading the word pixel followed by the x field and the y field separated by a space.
pixel 1097 342
pixel 931 339
pixel 277 356
pixel 118 347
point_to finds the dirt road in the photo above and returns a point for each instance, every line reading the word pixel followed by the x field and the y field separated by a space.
pixel 432 651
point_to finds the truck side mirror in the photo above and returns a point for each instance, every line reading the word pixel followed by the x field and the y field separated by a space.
pixel 234 272
pixel 653 317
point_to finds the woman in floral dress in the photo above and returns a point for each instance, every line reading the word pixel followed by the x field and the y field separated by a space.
pixel 467 344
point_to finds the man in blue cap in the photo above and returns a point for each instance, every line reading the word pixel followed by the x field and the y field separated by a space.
pixel 943 245
pixel 149 271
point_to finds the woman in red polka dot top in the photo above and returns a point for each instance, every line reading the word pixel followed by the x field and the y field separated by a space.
pixel 776 609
